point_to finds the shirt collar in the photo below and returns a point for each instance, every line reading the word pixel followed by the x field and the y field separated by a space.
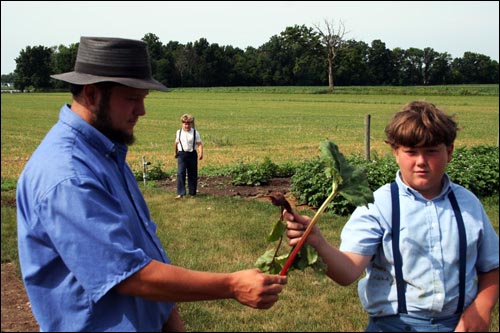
pixel 90 134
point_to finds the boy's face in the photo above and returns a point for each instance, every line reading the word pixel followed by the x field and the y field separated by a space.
pixel 186 125
pixel 423 168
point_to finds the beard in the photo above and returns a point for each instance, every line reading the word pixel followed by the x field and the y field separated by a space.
pixel 104 124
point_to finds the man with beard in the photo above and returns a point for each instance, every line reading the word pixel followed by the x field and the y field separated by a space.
pixel 89 255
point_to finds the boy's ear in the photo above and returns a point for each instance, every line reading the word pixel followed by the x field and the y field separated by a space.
pixel 394 150
pixel 449 150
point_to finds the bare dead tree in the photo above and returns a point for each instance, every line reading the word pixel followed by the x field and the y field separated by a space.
pixel 332 38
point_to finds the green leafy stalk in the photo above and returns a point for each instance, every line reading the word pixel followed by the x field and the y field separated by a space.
pixel 346 180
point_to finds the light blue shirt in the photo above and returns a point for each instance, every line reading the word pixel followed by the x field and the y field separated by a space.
pixel 84 227
pixel 429 249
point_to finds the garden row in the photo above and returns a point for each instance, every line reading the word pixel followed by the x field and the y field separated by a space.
pixel 476 168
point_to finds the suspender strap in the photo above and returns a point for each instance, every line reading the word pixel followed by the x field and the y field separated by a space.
pixel 462 251
pixel 194 139
pixel 180 131
pixel 398 261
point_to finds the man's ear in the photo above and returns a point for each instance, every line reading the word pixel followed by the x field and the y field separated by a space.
pixel 91 95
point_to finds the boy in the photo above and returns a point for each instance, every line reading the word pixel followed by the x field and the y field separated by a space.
pixel 437 271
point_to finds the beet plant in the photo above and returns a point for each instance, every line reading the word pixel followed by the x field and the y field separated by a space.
pixel 347 180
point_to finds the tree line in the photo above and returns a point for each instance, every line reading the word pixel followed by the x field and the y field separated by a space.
pixel 298 56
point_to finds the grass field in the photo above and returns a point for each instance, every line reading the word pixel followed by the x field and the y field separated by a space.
pixel 247 124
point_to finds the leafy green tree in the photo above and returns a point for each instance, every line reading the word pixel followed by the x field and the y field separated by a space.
pixel 63 60
pixel 155 49
pixel 475 68
pixel 292 58
pixel 352 64
pixel 7 79
pixel 305 52
pixel 155 46
pixel 274 63
pixel 398 58
pixel 202 71
pixel 167 72
pixel 299 55
pixel 380 64
pixel 186 62
pixel 33 68
pixel 231 76
pixel 218 66
pixel 437 68
pixel 247 68
pixel 413 66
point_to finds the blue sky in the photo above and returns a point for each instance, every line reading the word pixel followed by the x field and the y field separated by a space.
pixel 454 27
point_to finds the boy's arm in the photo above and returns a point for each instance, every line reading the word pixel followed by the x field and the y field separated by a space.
pixel 477 317
pixel 175 146
pixel 200 150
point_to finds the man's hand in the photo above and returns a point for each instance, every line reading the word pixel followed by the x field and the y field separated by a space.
pixel 255 289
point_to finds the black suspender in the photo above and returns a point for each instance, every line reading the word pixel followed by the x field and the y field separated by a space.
pixel 463 251
pixel 180 131
pixel 398 262
pixel 194 139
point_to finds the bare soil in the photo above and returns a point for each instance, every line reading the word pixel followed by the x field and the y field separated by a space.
pixel 221 185
pixel 16 310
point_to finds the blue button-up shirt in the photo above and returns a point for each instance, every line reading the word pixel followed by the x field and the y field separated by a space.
pixel 84 227
pixel 429 249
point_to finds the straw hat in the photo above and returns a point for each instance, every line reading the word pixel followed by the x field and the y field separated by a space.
pixel 103 59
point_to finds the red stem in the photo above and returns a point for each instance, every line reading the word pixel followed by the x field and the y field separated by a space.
pixel 296 250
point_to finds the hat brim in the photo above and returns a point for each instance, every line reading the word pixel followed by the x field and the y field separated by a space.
pixel 83 79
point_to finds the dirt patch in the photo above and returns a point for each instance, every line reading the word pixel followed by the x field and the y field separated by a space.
pixel 221 185
pixel 16 310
